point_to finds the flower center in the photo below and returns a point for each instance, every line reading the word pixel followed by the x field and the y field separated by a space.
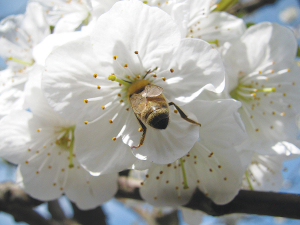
pixel 65 140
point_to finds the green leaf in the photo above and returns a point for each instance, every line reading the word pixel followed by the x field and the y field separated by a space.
pixel 250 24
pixel 223 5
pixel 298 52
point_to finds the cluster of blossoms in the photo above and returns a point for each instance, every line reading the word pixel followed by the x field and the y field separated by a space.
pixel 182 94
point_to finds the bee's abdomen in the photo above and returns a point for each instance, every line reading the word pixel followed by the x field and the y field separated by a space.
pixel 157 115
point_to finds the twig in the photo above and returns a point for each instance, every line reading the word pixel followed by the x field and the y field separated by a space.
pixel 250 202
pixel 250 6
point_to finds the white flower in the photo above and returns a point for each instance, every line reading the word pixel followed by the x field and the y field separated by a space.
pixel 265 78
pixel 213 26
pixel 288 15
pixel 138 44
pixel 18 36
pixel 66 15
pixel 42 144
pixel 265 171
pixel 212 166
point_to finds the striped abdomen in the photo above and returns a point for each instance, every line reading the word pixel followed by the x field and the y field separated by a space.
pixel 156 113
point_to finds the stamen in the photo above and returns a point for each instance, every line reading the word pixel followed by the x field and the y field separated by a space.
pixel 21 61
pixel 141 63
pixel 113 78
pixel 216 42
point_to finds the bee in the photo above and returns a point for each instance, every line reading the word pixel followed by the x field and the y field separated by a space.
pixel 151 107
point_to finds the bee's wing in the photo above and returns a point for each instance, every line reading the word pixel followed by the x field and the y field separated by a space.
pixel 138 103
pixel 153 90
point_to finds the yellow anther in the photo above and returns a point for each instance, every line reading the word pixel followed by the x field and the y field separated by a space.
pixel 95 75
pixel 98 87
pixel 114 138
pixel 154 75
pixel 112 77
pixel 128 77
pixel 103 107
pixel 175 111
pixel 38 130
pixel 119 94
pixel 121 100
pixel 115 57
pixel 282 114
pixel 259 72
pixel 86 122
pixel 288 70
pixel 164 79
pixel 136 52
pixel 253 95
pixel 110 121
pixel 86 101
pixel 172 70
pixel 141 129
pixel 125 65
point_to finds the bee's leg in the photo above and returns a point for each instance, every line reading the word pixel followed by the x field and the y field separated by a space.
pixel 183 115
pixel 144 129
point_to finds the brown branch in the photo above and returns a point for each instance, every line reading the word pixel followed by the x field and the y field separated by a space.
pixel 16 202
pixel 89 217
pixel 250 6
pixel 250 202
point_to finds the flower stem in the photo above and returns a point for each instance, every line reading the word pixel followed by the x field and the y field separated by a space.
pixel 185 184
pixel 248 180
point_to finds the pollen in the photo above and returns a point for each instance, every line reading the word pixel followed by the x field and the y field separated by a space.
pixel 175 111
pixel 110 121
pixel 164 79
pixel 86 122
pixel 125 65
pixel 86 101
pixel 114 138
pixel 115 57
pixel 95 75
pixel 103 107
pixel 154 75
pixel 98 87
pixel 136 52
pixel 171 70
pixel 140 129
pixel 38 130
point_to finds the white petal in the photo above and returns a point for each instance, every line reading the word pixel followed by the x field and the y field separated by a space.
pixel 88 191
pixel 133 26
pixel 14 136
pixel 197 66
pixel 68 80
